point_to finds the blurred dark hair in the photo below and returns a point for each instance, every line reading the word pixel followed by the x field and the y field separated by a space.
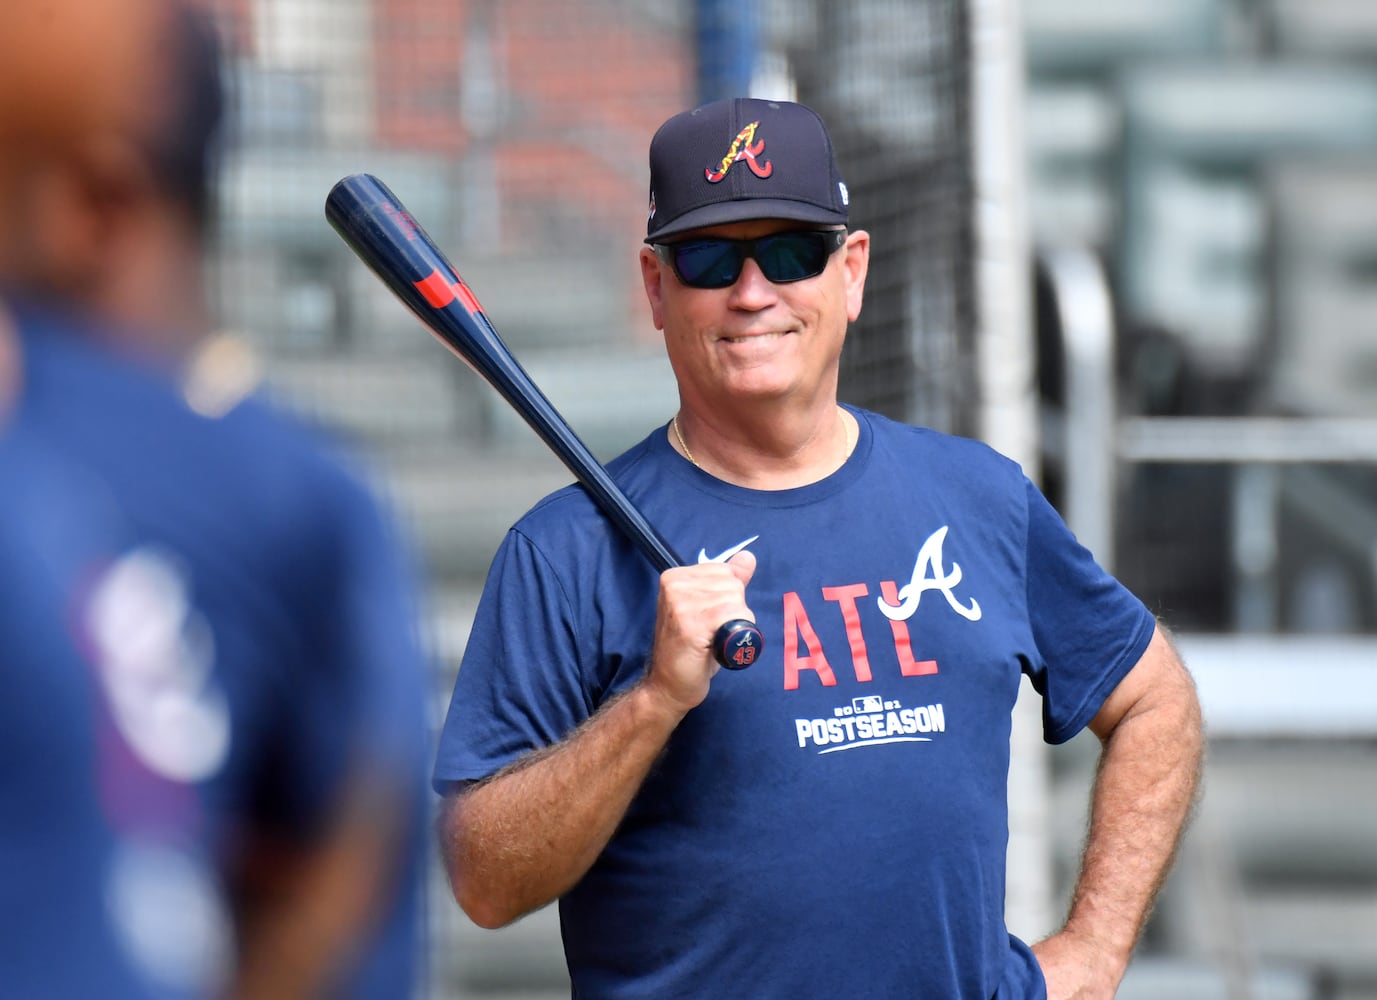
pixel 185 144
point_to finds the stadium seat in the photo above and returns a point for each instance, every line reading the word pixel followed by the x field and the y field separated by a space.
pixel 1193 228
pixel 1323 27
pixel 1323 272
pixel 1072 36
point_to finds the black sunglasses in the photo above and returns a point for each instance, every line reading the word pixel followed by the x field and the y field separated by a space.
pixel 716 262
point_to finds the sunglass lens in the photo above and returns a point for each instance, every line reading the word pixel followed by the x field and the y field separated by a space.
pixel 792 256
pixel 708 263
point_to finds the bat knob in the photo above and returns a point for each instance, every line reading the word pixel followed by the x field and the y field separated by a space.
pixel 737 643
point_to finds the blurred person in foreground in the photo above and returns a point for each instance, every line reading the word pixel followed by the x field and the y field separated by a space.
pixel 212 745
pixel 831 821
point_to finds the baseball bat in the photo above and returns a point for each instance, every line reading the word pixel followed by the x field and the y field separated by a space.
pixel 379 229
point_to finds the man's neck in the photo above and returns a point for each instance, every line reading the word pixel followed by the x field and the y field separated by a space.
pixel 766 452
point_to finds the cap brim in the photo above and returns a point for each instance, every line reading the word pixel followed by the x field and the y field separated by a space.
pixel 747 210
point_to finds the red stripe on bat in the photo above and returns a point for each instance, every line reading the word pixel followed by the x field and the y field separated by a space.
pixel 436 289
pixel 466 296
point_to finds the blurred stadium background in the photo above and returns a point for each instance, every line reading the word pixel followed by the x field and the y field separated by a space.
pixel 1134 245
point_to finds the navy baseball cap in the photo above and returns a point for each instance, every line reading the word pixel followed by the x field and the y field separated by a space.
pixel 742 159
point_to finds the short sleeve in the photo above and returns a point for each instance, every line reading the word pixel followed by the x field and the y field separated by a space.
pixel 520 685
pixel 1089 630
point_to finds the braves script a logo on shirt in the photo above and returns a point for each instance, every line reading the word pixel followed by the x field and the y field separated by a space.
pixel 928 575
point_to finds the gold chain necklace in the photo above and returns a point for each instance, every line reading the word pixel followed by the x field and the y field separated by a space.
pixel 682 444
pixel 846 430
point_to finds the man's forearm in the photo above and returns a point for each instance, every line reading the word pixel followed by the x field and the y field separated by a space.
pixel 522 838
pixel 1143 795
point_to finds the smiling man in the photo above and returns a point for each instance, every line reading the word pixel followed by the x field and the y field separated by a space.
pixel 832 821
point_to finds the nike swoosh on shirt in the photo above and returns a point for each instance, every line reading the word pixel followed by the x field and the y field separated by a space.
pixel 724 556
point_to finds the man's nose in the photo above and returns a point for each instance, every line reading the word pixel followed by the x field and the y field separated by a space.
pixel 751 288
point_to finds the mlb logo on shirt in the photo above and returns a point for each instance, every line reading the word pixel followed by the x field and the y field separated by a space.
pixel 867 704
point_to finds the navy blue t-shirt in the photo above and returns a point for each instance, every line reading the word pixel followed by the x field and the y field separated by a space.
pixel 206 625
pixel 833 820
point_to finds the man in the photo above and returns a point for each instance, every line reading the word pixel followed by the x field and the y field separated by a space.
pixel 214 729
pixel 832 821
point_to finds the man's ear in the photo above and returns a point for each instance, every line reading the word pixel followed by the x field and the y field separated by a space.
pixel 857 266
pixel 652 277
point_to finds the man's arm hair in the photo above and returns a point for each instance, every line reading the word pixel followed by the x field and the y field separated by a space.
pixel 1143 796
pixel 516 841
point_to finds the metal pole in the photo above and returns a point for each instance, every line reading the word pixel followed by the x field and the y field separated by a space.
pixel 1008 418
pixel 1087 331
pixel 728 40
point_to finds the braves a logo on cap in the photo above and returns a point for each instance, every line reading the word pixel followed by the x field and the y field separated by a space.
pixel 742 148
